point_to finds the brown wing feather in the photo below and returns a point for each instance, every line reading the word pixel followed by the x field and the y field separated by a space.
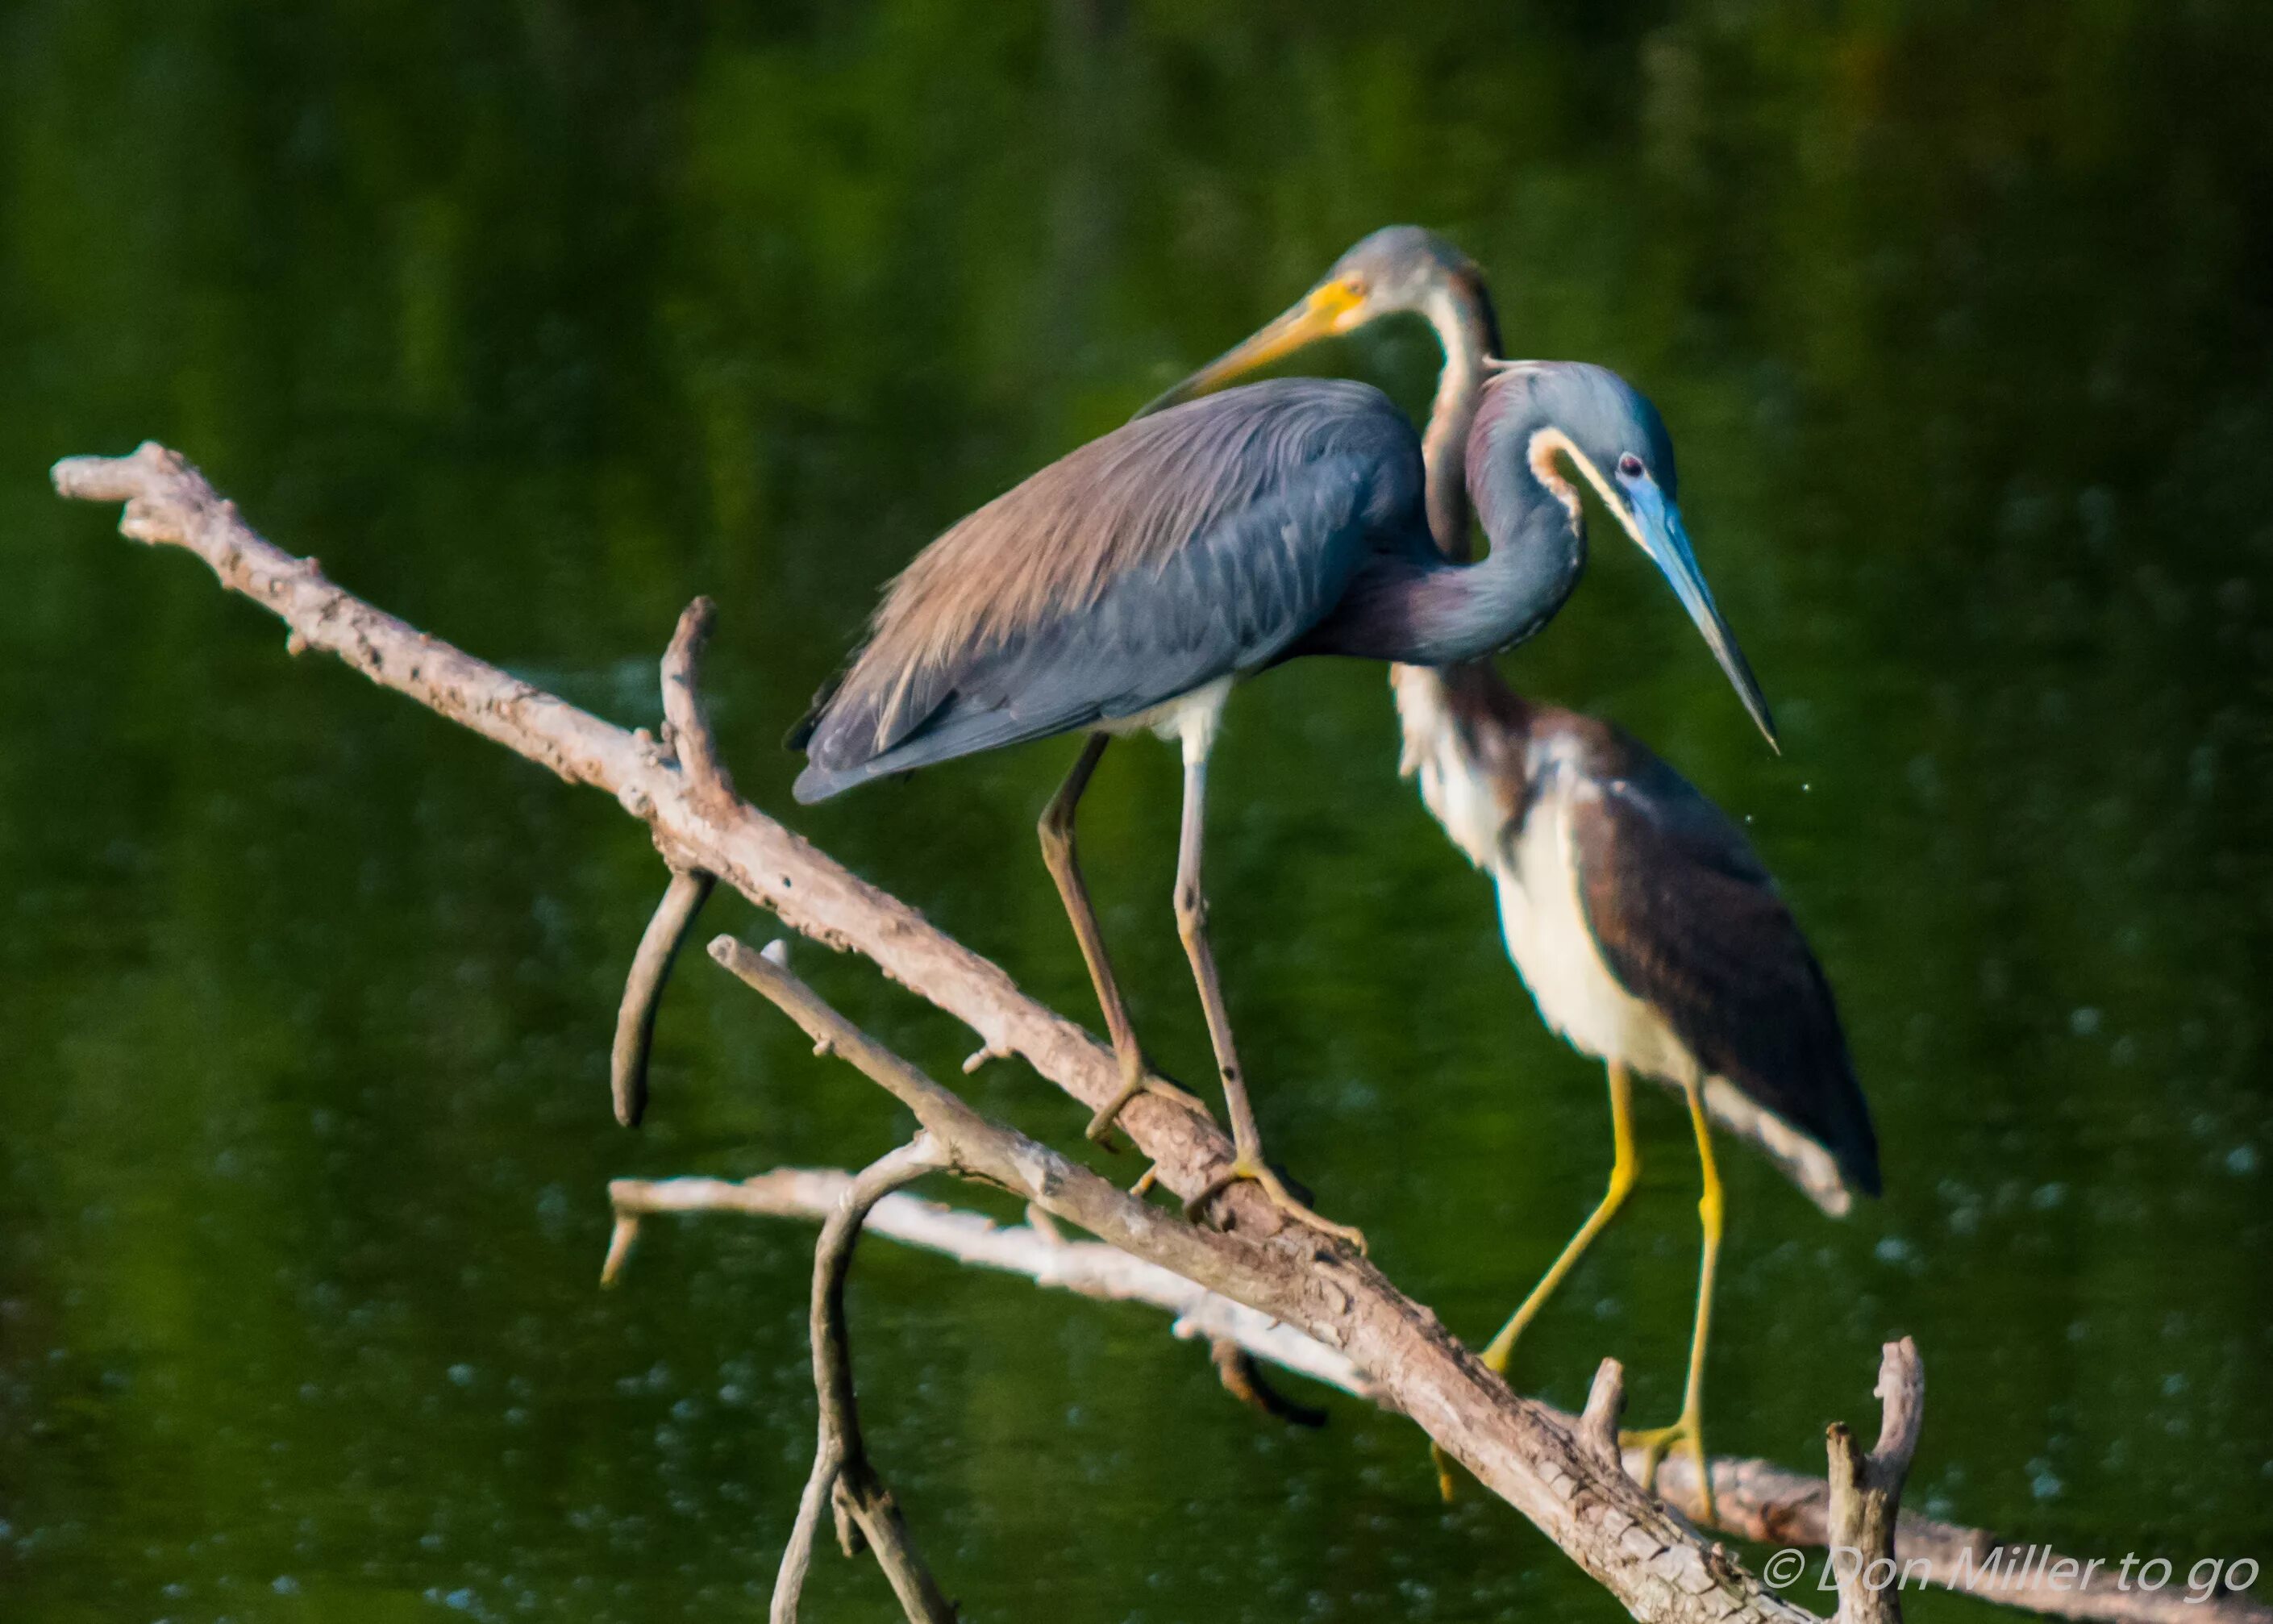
pixel 1690 923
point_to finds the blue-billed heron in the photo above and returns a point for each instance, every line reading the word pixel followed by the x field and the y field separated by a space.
pixel 1131 584
pixel 1649 934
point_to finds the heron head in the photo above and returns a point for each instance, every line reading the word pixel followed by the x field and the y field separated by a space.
pixel 1397 269
pixel 1556 419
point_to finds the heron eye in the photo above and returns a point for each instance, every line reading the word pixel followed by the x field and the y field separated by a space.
pixel 1630 465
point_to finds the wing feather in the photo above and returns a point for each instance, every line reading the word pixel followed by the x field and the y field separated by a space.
pixel 1690 923
pixel 1191 545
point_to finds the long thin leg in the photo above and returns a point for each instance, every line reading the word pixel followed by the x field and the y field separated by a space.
pixel 1626 1168
pixel 1688 1430
pixel 1191 925
pixel 1064 864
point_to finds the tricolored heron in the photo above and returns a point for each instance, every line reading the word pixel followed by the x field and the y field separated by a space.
pixel 1648 933
pixel 1130 584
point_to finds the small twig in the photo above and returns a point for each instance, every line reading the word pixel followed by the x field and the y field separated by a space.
pixel 621 1238
pixel 1866 1492
pixel 658 948
pixel 1244 1380
pixel 1774 1505
pixel 1044 1225
pixel 686 726
pixel 841 1474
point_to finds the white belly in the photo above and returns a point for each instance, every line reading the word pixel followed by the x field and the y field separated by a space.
pixel 1537 882
pixel 1191 717
pixel 1553 951
pixel 1453 786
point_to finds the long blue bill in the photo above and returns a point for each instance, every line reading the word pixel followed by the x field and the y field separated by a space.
pixel 1657 527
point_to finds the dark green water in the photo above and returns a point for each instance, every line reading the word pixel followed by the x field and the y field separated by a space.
pixel 533 322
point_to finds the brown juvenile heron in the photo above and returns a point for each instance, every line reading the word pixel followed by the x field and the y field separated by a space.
pixel 1130 584
pixel 1648 931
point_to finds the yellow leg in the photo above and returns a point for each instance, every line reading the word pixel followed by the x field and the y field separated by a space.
pixel 1688 1430
pixel 1625 1169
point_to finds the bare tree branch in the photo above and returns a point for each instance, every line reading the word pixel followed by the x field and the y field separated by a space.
pixel 1655 1565
pixel 1293 1278
pixel 1756 1500
pixel 1089 1269
pixel 842 1476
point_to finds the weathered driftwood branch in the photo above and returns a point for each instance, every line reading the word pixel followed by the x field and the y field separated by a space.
pixel 842 1476
pixel 1089 1269
pixel 1756 1500
pixel 1002 1156
pixel 1866 1491
pixel 1656 1566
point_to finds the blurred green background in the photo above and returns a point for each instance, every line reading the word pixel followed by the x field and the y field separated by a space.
pixel 533 321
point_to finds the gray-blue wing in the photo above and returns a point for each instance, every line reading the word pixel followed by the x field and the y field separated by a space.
pixel 1248 525
pixel 1690 923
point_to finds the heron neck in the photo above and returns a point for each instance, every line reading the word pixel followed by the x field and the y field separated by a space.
pixel 1415 607
pixel 1461 315
pixel 1466 611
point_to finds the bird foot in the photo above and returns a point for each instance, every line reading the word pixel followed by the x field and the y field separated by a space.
pixel 1101 1125
pixel 1657 1442
pixel 1252 1171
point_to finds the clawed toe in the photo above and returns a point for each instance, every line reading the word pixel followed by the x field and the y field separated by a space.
pixel 1276 1190
pixel 1101 1125
pixel 1657 1442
